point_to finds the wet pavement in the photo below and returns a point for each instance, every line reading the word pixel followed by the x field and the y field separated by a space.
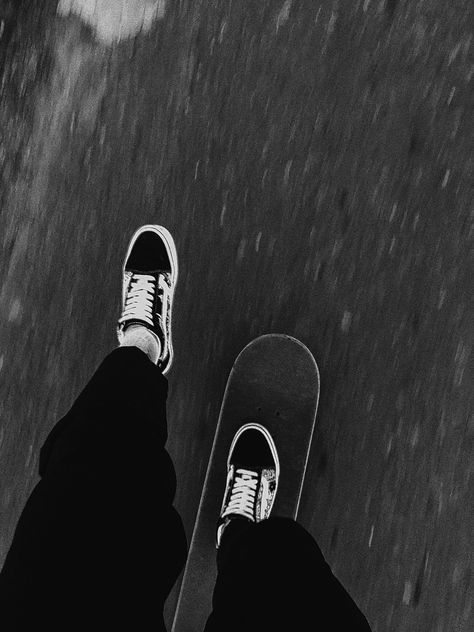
pixel 314 162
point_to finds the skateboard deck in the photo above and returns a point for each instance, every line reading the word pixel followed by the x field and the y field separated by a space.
pixel 275 382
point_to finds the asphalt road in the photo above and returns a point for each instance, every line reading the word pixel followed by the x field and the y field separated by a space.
pixel 314 162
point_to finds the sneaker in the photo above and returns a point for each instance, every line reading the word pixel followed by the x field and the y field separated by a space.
pixel 150 272
pixel 253 470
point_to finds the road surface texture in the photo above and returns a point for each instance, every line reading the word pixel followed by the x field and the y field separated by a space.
pixel 314 161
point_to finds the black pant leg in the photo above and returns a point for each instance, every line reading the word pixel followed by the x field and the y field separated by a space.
pixel 272 577
pixel 99 545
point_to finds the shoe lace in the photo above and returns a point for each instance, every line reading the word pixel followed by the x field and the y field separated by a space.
pixel 140 296
pixel 243 493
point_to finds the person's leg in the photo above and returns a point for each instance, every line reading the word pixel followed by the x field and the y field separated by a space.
pixel 99 545
pixel 272 576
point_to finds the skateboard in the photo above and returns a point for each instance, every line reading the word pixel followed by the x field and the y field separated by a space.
pixel 274 382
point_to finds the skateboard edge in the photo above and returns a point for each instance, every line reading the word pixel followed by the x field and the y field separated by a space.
pixel 277 335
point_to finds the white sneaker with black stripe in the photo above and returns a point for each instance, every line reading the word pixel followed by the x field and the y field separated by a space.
pixel 253 470
pixel 150 273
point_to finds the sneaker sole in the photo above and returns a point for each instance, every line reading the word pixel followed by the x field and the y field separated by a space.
pixel 173 257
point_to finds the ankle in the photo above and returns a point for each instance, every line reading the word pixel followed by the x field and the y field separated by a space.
pixel 144 339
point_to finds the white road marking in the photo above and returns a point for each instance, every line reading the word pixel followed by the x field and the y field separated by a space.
pixel 115 20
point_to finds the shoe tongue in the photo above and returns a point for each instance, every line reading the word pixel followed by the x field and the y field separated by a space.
pixel 250 468
pixel 153 272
